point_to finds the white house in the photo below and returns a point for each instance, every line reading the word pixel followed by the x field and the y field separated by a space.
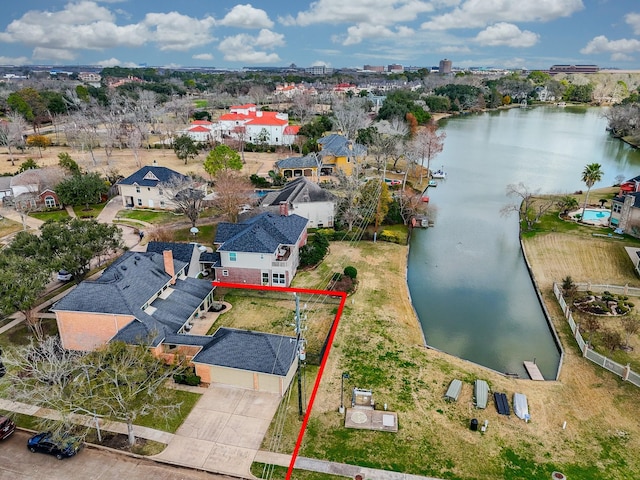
pixel 305 198
pixel 245 122
pixel 141 189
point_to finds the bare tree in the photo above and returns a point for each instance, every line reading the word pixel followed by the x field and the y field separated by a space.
pixel 303 107
pixel 11 133
pixel 411 205
pixel 186 194
pixel 231 192
pixel 348 208
pixel 531 207
pixel 350 115
pixel 426 145
pixel 631 326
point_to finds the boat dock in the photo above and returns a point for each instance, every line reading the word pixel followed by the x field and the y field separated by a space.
pixel 532 370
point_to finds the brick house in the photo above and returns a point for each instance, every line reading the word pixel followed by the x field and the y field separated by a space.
pixel 263 250
pixel 148 297
pixel 34 189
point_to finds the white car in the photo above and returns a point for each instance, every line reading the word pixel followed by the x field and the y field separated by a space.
pixel 64 276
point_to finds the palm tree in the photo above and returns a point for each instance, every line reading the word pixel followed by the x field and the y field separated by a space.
pixel 591 174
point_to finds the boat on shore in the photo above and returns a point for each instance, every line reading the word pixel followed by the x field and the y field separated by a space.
pixel 480 393
pixel 440 174
pixel 433 183
pixel 520 406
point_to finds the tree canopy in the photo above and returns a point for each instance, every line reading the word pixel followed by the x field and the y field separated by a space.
pixel 82 189
pixel 222 157
pixel 185 148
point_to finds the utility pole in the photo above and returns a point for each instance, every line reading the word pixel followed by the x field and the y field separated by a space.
pixel 299 347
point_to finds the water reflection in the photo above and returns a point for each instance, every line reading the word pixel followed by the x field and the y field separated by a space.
pixel 467 277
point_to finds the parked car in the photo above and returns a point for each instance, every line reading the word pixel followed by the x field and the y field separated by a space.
pixel 64 276
pixel 7 427
pixel 60 446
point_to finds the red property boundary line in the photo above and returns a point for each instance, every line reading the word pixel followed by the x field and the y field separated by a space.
pixel 332 333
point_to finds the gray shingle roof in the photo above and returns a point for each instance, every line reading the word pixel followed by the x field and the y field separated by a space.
pixel 248 350
pixel 299 190
pixel 181 251
pixel 338 146
pixel 308 161
pixel 263 233
pixel 144 176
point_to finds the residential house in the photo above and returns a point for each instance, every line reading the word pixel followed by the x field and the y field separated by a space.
pixel 304 198
pixel 625 213
pixel 143 189
pixel 202 131
pixel 263 250
pixel 247 123
pixel 34 189
pixel 294 167
pixel 339 153
pixel 199 259
pixel 148 297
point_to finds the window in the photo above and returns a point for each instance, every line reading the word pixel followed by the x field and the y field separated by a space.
pixel 160 191
pixel 49 201
pixel 139 202
pixel 137 189
pixel 162 203
pixel 225 273
pixel 617 208
pixel 233 256
pixel 279 279
pixel 265 278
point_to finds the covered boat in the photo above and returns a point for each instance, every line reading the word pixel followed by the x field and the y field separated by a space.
pixel 481 393
pixel 453 391
pixel 439 174
pixel 520 406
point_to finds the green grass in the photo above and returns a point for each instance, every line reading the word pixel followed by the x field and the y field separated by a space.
pixel 188 400
pixel 149 216
pixel 205 235
pixel 93 211
pixel 201 104
pixel 55 215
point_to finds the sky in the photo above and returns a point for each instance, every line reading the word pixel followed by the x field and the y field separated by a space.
pixel 532 34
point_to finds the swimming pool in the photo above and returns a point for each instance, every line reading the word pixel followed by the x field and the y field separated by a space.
pixel 595 215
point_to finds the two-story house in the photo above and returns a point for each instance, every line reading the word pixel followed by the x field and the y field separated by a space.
pixel 339 153
pixel 263 250
pixel 143 188
pixel 305 198
pixel 147 297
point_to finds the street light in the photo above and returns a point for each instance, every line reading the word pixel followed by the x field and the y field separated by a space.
pixel 344 375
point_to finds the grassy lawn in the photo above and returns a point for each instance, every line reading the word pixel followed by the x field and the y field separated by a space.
pixel 171 424
pixel 7 227
pixel 149 216
pixel 55 215
pixel 92 211
pixel 205 235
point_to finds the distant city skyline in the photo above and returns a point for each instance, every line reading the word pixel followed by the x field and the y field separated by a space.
pixel 511 34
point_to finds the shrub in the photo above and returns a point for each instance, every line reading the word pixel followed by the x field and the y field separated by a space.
pixel 187 379
pixel 351 272
pixel 336 277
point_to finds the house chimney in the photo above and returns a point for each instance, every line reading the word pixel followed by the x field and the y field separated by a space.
pixel 167 255
pixel 284 209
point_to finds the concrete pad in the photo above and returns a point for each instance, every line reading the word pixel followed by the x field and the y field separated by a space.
pixel 244 432
pixel 221 398
pixel 230 460
pixel 258 405
pixel 204 424
pixel 187 451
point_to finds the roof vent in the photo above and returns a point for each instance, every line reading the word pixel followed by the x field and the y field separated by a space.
pixel 123 267
pixel 136 257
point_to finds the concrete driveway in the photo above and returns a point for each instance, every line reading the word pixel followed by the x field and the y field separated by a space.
pixel 223 432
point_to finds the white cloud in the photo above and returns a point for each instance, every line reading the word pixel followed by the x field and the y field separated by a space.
pixel 621 57
pixel 202 56
pixel 373 12
pixel 506 34
pixel 602 44
pixel 320 63
pixel 633 19
pixel 251 49
pixel 55 54
pixel 245 16
pixel 14 60
pixel 480 13
pixel 114 62
pixel 174 31
pixel 361 31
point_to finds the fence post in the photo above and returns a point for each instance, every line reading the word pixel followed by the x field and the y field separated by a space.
pixel 625 374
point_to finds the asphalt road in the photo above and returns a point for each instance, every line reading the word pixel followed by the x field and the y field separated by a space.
pixel 18 463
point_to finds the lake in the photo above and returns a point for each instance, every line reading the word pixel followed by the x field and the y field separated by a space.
pixel 467 276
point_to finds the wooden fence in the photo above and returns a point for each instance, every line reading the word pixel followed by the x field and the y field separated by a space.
pixel 623 371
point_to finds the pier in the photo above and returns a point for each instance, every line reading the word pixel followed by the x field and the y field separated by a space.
pixel 532 370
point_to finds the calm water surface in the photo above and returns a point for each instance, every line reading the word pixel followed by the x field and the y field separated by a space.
pixel 467 276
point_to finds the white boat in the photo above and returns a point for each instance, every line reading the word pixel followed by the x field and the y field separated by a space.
pixel 520 406
pixel 439 174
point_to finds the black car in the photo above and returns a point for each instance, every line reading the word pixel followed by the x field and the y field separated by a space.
pixel 7 427
pixel 63 446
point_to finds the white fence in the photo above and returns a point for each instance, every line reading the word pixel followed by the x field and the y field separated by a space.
pixel 623 371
